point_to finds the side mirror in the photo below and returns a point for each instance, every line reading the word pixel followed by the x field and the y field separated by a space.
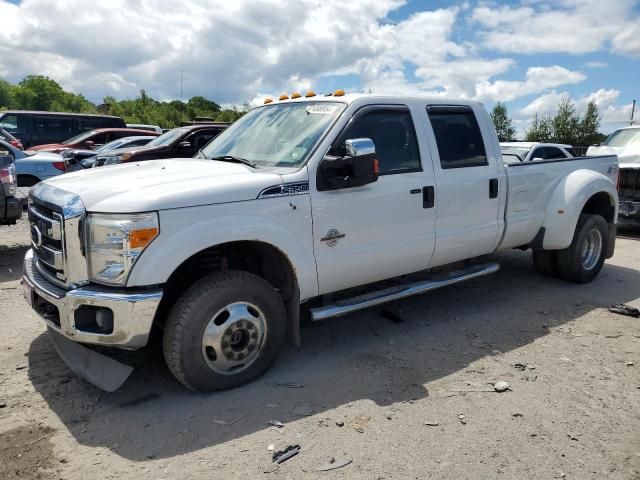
pixel 359 167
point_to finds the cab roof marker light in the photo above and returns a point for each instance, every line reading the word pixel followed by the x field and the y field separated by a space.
pixel 310 93
pixel 338 93
pixel 284 96
pixel 268 100
pixel 295 95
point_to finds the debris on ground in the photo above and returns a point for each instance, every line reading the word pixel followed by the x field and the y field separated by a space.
pixel 463 419
pixel 501 386
pixel 629 364
pixel 276 423
pixel 271 447
pixel 359 423
pixel 287 384
pixel 303 409
pixel 3 404
pixel 228 422
pixel 622 309
pixel 388 416
pixel 431 423
pixel 340 423
pixel 284 455
pixel 334 464
pixel 520 366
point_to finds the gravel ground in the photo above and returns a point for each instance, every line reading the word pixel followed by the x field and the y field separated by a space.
pixel 400 400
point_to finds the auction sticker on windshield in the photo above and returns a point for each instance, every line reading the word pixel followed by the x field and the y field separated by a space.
pixel 322 109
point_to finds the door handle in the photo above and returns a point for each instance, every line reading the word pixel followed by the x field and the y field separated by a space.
pixel 428 197
pixel 493 188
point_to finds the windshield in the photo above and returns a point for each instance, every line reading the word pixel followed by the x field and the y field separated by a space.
pixel 280 135
pixel 166 138
pixel 622 138
pixel 513 152
pixel 79 138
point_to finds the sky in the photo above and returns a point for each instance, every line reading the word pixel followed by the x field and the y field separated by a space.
pixel 525 53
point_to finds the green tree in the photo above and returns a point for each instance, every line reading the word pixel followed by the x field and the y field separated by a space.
pixel 502 122
pixel 589 125
pixel 5 93
pixel 566 123
pixel 46 91
pixel 540 130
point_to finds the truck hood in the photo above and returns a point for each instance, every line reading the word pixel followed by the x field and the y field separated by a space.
pixel 164 184
pixel 628 156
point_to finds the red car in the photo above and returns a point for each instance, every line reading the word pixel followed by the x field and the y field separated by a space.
pixel 91 139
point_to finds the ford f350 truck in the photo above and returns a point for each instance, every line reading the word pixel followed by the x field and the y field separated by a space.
pixel 298 199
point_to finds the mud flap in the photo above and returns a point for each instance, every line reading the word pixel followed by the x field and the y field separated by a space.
pixel 100 370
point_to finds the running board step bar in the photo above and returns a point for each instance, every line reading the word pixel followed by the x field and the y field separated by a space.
pixel 372 299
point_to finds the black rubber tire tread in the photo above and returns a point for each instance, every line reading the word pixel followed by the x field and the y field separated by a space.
pixel 27 180
pixel 191 314
pixel 570 259
pixel 545 262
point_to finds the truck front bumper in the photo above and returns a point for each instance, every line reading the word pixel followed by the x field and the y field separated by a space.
pixel 93 314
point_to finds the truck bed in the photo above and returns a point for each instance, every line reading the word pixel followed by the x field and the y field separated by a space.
pixel 530 186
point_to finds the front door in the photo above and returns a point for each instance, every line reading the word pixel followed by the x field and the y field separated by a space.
pixel 383 229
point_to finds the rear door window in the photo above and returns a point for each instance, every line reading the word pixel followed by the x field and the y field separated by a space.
pixel 85 124
pixel 52 127
pixel 458 136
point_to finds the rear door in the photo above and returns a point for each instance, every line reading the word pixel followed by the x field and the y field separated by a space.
pixel 467 190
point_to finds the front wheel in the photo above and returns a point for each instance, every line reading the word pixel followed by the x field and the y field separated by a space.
pixel 224 331
pixel 583 259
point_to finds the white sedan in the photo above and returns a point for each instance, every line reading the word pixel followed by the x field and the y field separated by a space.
pixel 514 152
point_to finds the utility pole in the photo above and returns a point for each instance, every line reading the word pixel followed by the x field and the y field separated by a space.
pixel 181 116
pixel 633 110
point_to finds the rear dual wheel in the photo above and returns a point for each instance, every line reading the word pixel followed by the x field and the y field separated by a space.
pixel 583 259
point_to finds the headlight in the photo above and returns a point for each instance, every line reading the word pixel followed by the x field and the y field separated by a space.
pixel 115 242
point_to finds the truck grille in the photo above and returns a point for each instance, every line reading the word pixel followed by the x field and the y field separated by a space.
pixel 629 185
pixel 47 240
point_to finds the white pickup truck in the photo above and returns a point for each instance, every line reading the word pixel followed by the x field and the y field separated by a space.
pixel 298 199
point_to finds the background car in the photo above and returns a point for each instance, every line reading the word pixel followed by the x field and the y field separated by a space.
pixel 10 205
pixel 181 142
pixel 37 128
pixel 81 159
pixel 142 126
pixel 514 152
pixel 7 137
pixel 92 139
pixel 33 167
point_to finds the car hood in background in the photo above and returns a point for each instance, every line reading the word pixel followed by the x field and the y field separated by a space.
pixel 164 184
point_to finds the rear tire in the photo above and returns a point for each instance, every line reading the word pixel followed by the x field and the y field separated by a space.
pixel 224 331
pixel 545 262
pixel 583 259
pixel 27 181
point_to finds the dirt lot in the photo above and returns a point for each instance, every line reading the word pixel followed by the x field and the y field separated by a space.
pixel 414 398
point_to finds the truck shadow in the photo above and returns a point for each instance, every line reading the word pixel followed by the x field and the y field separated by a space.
pixel 360 356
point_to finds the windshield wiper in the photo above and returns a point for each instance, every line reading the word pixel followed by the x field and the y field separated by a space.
pixel 234 159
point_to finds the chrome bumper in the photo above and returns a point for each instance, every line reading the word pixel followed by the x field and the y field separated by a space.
pixel 132 310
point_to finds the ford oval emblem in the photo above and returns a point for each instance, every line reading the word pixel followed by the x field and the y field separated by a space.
pixel 36 236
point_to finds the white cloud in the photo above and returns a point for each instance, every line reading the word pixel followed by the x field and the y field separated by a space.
pixel 570 26
pixel 596 65
pixel 611 115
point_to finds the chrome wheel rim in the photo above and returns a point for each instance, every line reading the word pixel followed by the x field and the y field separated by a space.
pixel 591 249
pixel 234 337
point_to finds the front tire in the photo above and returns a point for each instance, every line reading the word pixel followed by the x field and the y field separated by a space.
pixel 224 331
pixel 583 259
